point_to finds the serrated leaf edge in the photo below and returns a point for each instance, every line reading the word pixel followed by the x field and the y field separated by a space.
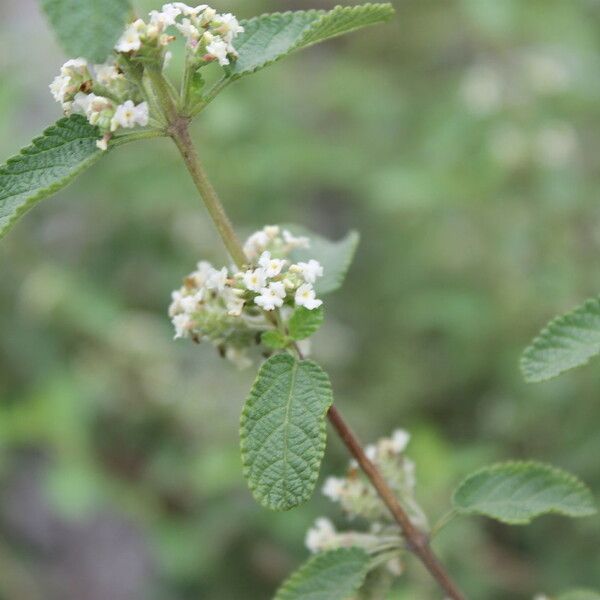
pixel 538 342
pixel 523 465
pixel 317 460
pixel 34 149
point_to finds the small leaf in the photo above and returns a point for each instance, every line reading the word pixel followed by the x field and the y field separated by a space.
pixel 88 28
pixel 48 165
pixel 270 37
pixel 579 595
pixel 303 323
pixel 283 431
pixel 335 257
pixel 332 575
pixel 274 339
pixel 516 492
pixel 568 341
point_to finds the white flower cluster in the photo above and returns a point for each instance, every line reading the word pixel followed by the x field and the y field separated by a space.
pixel 115 108
pixel 209 35
pixel 356 495
pixel 230 307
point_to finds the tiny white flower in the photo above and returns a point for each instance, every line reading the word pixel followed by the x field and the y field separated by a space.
pixel 208 15
pixel 59 87
pixel 305 296
pixel 399 441
pixel 271 297
pixel 295 242
pixel 129 115
pixel 256 244
pixel 333 488
pixel 233 302
pixel 217 280
pixel 182 323
pixel 81 103
pixel 272 231
pixel 228 26
pixel 190 304
pixel 272 266
pixel 102 144
pixel 131 40
pixel 188 30
pixel 321 536
pixel 371 452
pixel 189 11
pixel 311 270
pixel 255 279
pixel 218 50
pixel 75 66
pixel 107 74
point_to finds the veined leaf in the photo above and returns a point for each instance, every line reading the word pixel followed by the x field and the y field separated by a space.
pixel 47 165
pixel 579 595
pixel 274 339
pixel 87 28
pixel 333 575
pixel 568 341
pixel 335 257
pixel 303 322
pixel 268 38
pixel 283 431
pixel 516 492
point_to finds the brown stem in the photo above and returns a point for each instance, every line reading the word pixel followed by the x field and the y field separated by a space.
pixel 417 541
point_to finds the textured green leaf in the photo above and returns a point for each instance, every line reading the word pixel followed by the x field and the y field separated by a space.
pixel 87 28
pixel 336 257
pixel 516 492
pixel 283 431
pixel 568 341
pixel 579 595
pixel 274 339
pixel 303 323
pixel 268 38
pixel 49 164
pixel 333 575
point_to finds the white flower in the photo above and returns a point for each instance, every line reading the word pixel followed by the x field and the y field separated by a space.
pixel 271 297
pixel 107 74
pixel 233 302
pixel 182 323
pixel 228 26
pixel 305 296
pixel 333 488
pixel 399 441
pixel 255 244
pixel 129 115
pixel 131 39
pixel 295 242
pixel 190 304
pixel 217 280
pixel 75 67
pixel 321 536
pixel 255 279
pixel 188 30
pixel 102 143
pixel 272 266
pixel 188 11
pixel 59 87
pixel 371 452
pixel 94 106
pixel 310 270
pixel 218 49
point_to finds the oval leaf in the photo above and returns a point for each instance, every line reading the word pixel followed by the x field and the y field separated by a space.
pixel 87 28
pixel 568 341
pixel 335 257
pixel 283 431
pixel 333 575
pixel 516 492
pixel 303 322
pixel 49 164
pixel 270 37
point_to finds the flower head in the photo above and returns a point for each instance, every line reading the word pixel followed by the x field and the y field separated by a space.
pixel 305 296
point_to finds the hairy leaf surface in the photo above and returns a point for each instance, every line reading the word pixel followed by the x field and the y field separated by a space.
pixel 333 575
pixel 268 38
pixel 303 322
pixel 568 341
pixel 47 165
pixel 283 431
pixel 516 492
pixel 87 28
pixel 335 257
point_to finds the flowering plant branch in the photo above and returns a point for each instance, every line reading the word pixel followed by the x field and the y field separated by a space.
pixel 270 298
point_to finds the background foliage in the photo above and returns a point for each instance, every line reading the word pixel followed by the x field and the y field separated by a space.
pixel 461 140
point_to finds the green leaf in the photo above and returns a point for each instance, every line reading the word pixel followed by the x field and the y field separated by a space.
pixel 335 257
pixel 303 323
pixel 568 341
pixel 332 575
pixel 88 28
pixel 283 431
pixel 274 339
pixel 270 37
pixel 579 595
pixel 516 492
pixel 48 165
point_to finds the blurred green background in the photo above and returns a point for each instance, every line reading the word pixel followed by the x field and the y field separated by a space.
pixel 462 141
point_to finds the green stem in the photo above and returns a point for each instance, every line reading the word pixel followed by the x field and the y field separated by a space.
pixel 443 521
pixel 147 134
pixel 210 96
